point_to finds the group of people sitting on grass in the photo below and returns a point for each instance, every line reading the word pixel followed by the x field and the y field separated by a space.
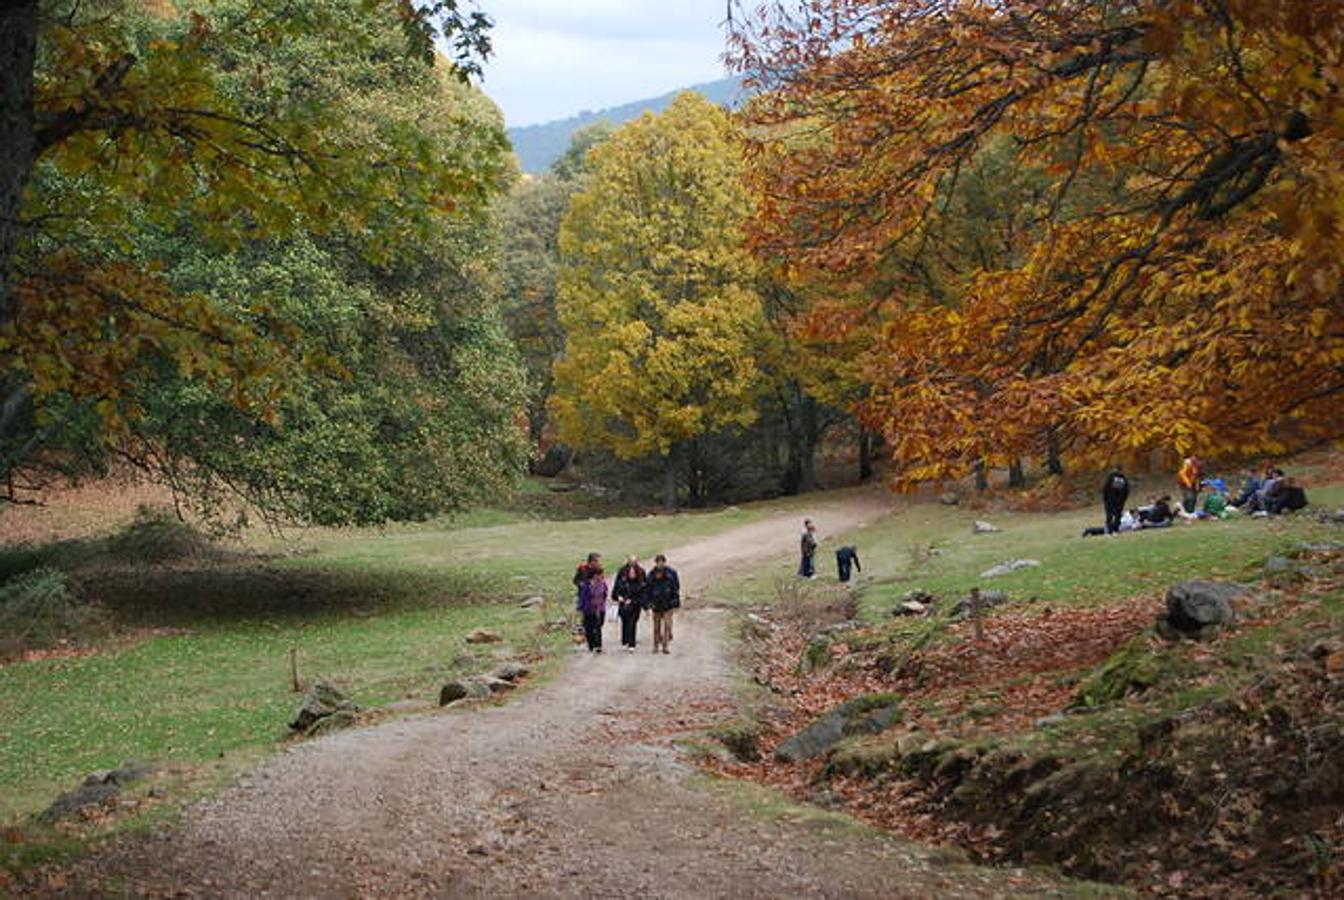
pixel 1266 495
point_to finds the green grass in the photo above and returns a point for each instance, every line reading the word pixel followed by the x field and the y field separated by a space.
pixel 219 689
pixel 1073 570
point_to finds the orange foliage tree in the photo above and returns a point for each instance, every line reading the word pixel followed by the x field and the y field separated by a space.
pixel 1172 278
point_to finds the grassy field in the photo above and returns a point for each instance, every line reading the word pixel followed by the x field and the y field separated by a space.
pixel 382 613
pixel 932 547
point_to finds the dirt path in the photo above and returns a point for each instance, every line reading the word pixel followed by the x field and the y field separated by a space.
pixel 573 789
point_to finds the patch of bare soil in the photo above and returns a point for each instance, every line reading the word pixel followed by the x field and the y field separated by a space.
pixel 574 789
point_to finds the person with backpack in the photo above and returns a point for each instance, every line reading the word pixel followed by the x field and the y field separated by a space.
pixel 663 593
pixel 628 592
pixel 593 605
pixel 1114 493
pixel 585 568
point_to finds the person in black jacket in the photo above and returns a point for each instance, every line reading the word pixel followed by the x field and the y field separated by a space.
pixel 1114 493
pixel 628 593
pixel 844 558
pixel 662 591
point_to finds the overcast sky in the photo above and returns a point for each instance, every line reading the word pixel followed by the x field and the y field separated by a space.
pixel 554 58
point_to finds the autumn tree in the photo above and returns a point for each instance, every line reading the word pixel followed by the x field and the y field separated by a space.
pixel 531 217
pixel 255 255
pixel 657 292
pixel 1176 285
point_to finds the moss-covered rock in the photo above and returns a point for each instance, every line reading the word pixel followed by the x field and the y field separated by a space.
pixel 865 714
pixel 1133 668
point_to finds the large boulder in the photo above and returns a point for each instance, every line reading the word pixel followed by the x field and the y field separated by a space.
pixel 1200 608
pixel 866 714
pixel 322 700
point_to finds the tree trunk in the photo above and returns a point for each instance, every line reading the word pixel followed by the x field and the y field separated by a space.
pixel 802 419
pixel 1016 477
pixel 865 454
pixel 669 482
pixel 1053 464
pixel 18 48
pixel 981 476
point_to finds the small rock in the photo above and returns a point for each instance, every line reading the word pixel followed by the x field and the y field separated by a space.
pixel 1052 719
pixel 1012 565
pixel 910 608
pixel 321 700
pixel 950 498
pixel 462 689
pixel 483 636
pixel 510 671
pixel 985 528
pixel 82 797
pixel 533 603
pixel 988 600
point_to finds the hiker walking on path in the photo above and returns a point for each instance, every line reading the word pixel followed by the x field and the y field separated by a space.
pixel 1188 478
pixel 844 558
pixel 628 591
pixel 1114 493
pixel 593 606
pixel 663 593
pixel 808 548
pixel 586 568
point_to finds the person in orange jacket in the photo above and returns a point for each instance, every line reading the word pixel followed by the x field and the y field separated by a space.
pixel 1192 470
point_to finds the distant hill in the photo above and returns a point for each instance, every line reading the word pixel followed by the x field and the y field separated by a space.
pixel 538 146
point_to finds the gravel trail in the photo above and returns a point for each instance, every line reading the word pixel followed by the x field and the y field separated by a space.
pixel 571 789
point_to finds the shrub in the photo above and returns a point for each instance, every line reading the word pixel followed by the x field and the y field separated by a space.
pixel 158 536
pixel 37 609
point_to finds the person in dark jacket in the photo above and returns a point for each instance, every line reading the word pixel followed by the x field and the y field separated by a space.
pixel 586 568
pixel 1114 493
pixel 628 592
pixel 662 591
pixel 807 545
pixel 844 558
pixel 593 606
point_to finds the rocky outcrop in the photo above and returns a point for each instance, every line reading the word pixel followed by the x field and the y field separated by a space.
pixel 321 701
pixel 866 714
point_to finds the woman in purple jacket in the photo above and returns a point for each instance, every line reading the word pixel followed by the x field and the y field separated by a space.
pixel 593 605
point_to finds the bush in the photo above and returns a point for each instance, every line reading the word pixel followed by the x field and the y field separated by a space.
pixel 37 609
pixel 158 536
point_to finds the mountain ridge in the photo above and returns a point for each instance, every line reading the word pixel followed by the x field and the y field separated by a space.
pixel 539 145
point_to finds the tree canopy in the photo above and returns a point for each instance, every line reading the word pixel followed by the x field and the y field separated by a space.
pixel 255 252
pixel 1177 283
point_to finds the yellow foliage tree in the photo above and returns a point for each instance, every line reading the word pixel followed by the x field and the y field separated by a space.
pixel 655 291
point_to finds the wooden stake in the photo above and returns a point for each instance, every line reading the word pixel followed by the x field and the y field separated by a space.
pixel 975 614
pixel 294 669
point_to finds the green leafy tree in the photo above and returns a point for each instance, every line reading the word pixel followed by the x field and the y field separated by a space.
pixel 290 297
pixel 656 292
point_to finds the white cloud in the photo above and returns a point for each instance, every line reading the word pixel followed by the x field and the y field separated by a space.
pixel 554 58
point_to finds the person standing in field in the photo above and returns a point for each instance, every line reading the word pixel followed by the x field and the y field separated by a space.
pixel 593 606
pixel 1188 478
pixel 628 591
pixel 1114 493
pixel 807 545
pixel 663 593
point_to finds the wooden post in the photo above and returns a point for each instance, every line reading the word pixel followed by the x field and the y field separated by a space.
pixel 975 614
pixel 294 669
